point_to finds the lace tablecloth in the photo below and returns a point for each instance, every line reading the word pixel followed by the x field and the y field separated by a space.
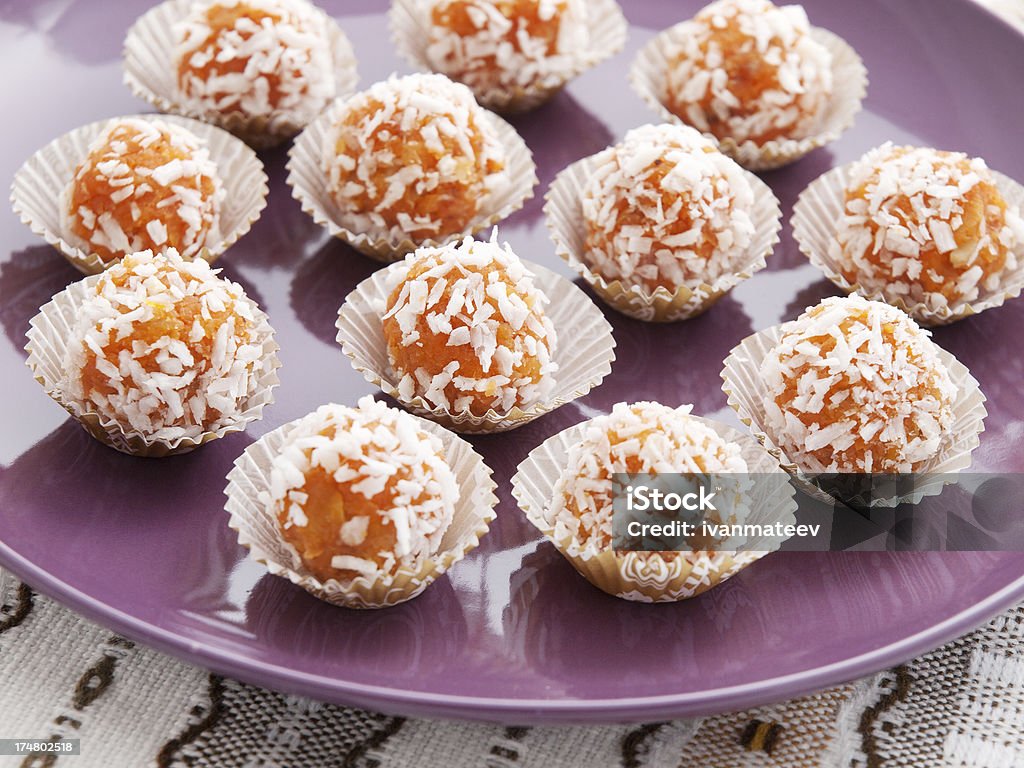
pixel 962 706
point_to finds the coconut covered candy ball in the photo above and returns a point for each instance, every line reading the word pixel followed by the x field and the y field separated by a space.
pixel 165 348
pixel 641 438
pixel 361 491
pixel 466 330
pixel 666 209
pixel 145 185
pixel 507 46
pixel 748 70
pixel 258 59
pixel 413 158
pixel 921 225
pixel 856 386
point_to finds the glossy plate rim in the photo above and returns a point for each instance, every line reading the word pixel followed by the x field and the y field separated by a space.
pixel 697 703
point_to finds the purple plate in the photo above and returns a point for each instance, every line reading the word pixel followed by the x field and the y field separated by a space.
pixel 513 634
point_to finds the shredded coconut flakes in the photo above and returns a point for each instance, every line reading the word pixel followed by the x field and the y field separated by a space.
pixel 480 295
pixel 382 194
pixel 632 181
pixel 856 386
pixel 363 448
pixel 906 206
pixel 779 38
pixel 672 442
pixel 163 388
pixel 280 67
pixel 502 52
pixel 173 189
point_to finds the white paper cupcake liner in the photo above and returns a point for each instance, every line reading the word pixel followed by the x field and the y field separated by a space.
pixel 563 210
pixel 640 576
pixel 53 329
pixel 310 186
pixel 607 30
pixel 584 351
pixel 38 193
pixel 849 82
pixel 744 390
pixel 258 529
pixel 151 74
pixel 815 222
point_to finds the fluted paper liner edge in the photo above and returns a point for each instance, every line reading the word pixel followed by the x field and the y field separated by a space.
pixel 607 30
pixel 629 575
pixel 38 190
pixel 584 351
pixel 816 216
pixel 52 329
pixel 850 83
pixel 310 186
pixel 258 531
pixel 563 214
pixel 745 394
pixel 150 74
